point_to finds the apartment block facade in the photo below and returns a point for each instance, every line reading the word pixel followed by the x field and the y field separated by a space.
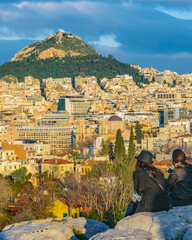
pixel 59 138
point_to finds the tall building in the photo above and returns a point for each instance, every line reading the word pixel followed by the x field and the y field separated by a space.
pixel 63 100
pixel 171 113
pixel 77 106
pixel 59 138
pixel 74 105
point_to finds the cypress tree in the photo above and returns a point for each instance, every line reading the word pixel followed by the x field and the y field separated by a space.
pixel 105 147
pixel 102 147
pixel 119 151
pixel 111 154
pixel 131 149
pixel 138 132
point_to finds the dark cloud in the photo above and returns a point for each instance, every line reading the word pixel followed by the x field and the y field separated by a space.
pixel 133 30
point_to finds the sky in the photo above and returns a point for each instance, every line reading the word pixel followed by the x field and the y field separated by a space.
pixel 151 33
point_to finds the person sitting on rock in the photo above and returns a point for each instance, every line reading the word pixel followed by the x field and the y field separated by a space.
pixel 180 180
pixel 150 184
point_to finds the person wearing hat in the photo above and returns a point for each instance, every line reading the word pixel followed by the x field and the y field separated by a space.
pixel 150 185
pixel 180 180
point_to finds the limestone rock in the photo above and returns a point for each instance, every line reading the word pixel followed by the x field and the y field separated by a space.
pixel 58 229
pixel 162 225
pixel 37 230
pixel 174 224
pixel 188 234
pixel 24 53
pixel 89 227
pixel 57 45
pixel 51 52
pixel 184 212
pixel 167 226
pixel 141 221
pixel 118 234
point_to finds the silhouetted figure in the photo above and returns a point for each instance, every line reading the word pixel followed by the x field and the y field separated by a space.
pixel 180 180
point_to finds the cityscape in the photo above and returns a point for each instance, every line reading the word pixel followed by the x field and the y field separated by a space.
pixel 74 117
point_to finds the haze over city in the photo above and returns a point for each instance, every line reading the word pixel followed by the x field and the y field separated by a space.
pixel 149 33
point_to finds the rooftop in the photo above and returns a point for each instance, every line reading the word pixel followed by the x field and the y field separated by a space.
pixel 57 161
pixel 114 118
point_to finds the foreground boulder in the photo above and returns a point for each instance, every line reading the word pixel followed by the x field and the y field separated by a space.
pixel 174 224
pixel 48 229
pixel 171 225
pixel 118 234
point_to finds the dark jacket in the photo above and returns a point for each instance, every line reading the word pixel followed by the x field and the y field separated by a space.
pixel 153 198
pixel 180 184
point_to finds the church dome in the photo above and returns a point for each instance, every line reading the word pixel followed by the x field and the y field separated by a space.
pixel 114 118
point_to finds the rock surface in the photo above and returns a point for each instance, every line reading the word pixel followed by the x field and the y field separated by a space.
pixel 51 228
pixel 114 234
pixel 162 225
pixel 52 52
pixel 174 224
pixel 56 45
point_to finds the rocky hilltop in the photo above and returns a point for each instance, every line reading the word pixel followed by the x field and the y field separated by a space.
pixel 59 45
pixel 171 225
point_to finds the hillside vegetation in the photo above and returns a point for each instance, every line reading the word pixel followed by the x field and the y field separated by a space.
pixel 69 67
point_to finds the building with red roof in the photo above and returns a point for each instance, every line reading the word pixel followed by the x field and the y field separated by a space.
pixel 57 167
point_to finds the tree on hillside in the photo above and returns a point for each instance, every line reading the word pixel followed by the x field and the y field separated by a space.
pixel 20 176
pixel 119 151
pixel 138 132
pixel 131 149
pixel 111 153
pixel 104 147
pixel 75 156
pixel 82 74
pixel 5 200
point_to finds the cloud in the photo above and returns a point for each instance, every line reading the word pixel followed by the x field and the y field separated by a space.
pixel 180 14
pixel 166 3
pixel 107 41
pixel 7 15
pixel 5 34
pixel 127 4
pixel 81 6
pixel 182 55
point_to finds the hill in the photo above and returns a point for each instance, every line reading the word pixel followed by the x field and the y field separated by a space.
pixel 58 45
pixel 64 55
